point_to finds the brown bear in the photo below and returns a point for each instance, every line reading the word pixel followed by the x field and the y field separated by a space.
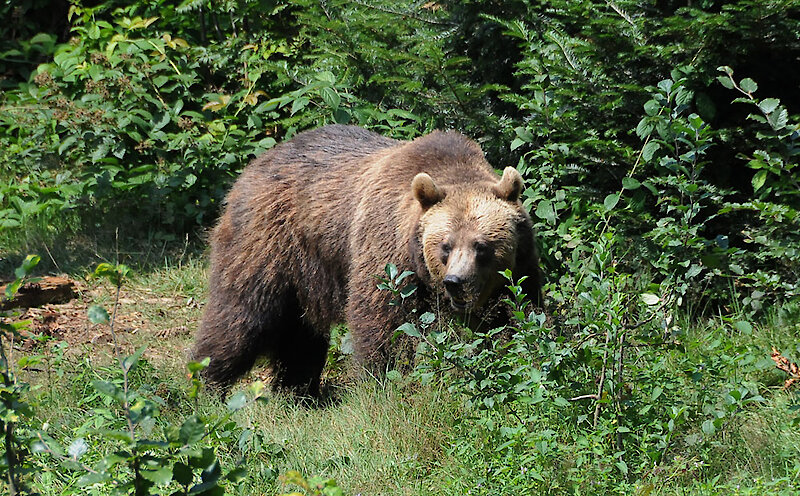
pixel 310 224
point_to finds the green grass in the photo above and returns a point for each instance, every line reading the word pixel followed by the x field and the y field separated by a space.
pixel 382 437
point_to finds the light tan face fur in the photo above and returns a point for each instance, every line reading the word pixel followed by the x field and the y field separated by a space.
pixel 469 235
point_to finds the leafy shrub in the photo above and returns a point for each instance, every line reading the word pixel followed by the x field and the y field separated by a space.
pixel 595 405
pixel 15 409
pixel 130 114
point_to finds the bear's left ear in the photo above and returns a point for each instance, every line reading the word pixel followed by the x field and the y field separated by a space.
pixel 510 186
pixel 425 190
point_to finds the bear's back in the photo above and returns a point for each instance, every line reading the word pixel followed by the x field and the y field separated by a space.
pixel 328 147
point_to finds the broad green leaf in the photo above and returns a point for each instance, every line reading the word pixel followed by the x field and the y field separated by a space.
pixel 66 143
pixel 192 430
pixel 160 119
pixel 97 315
pixel 684 96
pixel 108 388
pixel 759 179
pixel 611 201
pixel 645 128
pixel 650 299
pixel 656 393
pixel 767 105
pixel 12 288
pixel 410 329
pixel 391 271
pixel 545 210
pixel 665 85
pixel 778 119
pixel 326 76
pixel 330 97
pixel 649 150
pixel 402 276
pixel 160 476
pixel 748 85
pixel 129 362
pixel 299 104
pixel 630 183
pixel 725 81
pixel 182 474
pixel 652 107
pixel 341 116
pixel 237 401
pixel 427 318
pixel 394 375
pixel 408 290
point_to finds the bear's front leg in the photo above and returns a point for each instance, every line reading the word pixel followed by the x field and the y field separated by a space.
pixel 372 322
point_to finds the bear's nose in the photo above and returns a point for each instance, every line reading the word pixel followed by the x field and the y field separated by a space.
pixel 453 283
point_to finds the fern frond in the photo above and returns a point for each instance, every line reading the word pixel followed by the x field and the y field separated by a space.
pixel 564 45
pixel 515 28
pixel 637 35
pixel 189 5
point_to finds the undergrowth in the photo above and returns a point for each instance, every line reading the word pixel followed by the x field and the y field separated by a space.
pixel 696 407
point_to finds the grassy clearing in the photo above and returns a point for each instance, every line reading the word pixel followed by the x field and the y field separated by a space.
pixel 379 439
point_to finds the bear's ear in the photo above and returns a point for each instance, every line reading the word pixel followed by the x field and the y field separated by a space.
pixel 510 186
pixel 425 190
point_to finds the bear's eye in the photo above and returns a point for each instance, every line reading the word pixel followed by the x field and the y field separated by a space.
pixel 483 251
pixel 446 249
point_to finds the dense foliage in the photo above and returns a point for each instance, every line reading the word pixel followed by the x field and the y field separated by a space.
pixel 659 140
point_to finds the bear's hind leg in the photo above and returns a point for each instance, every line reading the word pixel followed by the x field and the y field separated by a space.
pixel 234 332
pixel 299 358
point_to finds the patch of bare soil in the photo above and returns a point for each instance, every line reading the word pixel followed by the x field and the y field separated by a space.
pixel 163 323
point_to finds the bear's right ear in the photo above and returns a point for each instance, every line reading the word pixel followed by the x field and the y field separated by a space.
pixel 425 190
pixel 510 185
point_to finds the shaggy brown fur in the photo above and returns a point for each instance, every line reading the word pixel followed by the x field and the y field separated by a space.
pixel 310 224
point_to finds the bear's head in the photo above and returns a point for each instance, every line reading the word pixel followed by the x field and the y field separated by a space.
pixel 468 234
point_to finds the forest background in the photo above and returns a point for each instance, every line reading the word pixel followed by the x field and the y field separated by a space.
pixel 658 140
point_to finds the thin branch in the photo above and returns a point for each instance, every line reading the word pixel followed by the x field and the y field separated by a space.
pixel 600 386
pixel 618 383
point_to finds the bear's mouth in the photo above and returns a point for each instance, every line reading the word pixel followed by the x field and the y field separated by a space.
pixel 459 304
